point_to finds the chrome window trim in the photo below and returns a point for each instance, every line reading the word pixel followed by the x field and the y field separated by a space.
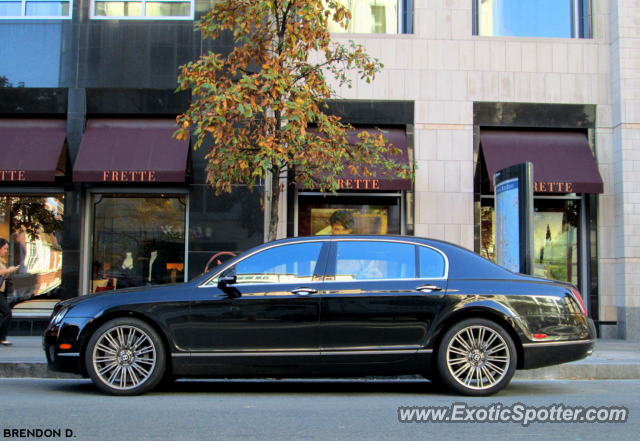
pixel 446 260
pixel 558 343
pixel 386 280
pixel 378 352
pixel 205 283
pixel 301 353
pixel 382 239
pixel 252 354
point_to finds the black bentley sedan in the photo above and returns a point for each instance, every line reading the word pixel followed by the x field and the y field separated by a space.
pixel 327 306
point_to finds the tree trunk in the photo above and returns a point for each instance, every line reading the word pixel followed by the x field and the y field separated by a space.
pixel 275 202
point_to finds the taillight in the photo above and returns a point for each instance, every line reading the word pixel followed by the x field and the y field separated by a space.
pixel 578 297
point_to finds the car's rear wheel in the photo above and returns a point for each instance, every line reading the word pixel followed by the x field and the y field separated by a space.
pixel 476 357
pixel 125 356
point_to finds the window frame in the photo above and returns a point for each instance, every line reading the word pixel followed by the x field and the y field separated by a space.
pixel 330 267
pixel 581 21
pixel 23 11
pixel 318 265
pixel 92 15
pixel 320 268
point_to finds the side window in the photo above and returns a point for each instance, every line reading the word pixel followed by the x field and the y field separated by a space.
pixel 375 260
pixel 284 264
pixel 431 264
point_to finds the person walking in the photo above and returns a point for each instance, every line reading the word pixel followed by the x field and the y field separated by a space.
pixel 5 309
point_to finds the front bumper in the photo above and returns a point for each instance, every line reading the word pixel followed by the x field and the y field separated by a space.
pixel 65 333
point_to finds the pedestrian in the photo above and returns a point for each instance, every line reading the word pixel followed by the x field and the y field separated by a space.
pixel 5 309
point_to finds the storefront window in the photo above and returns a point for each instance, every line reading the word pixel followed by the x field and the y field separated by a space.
pixel 348 215
pixel 33 227
pixel 556 223
pixel 137 241
pixel 542 18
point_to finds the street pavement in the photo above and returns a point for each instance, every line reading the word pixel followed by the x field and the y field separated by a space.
pixel 611 360
pixel 305 410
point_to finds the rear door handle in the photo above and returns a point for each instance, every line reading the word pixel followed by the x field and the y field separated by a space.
pixel 304 291
pixel 428 288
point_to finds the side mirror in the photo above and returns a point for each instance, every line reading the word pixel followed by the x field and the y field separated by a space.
pixel 228 279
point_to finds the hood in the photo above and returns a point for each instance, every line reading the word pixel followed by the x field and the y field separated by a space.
pixel 134 290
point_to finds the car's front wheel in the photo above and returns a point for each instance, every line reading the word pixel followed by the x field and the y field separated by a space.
pixel 125 356
pixel 476 357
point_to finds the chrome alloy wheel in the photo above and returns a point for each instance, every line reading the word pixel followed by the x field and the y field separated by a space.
pixel 124 357
pixel 478 357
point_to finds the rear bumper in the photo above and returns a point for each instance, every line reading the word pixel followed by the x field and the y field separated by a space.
pixel 542 354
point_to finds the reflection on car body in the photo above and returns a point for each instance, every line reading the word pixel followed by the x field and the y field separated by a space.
pixel 290 308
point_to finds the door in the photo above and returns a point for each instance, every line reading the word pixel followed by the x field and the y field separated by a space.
pixel 379 299
pixel 272 308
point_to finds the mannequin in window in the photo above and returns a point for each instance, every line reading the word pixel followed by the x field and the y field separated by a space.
pixel 155 270
pixel 127 263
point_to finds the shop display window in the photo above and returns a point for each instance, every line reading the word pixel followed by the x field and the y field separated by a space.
pixel 348 215
pixel 556 237
pixel 33 227
pixel 137 241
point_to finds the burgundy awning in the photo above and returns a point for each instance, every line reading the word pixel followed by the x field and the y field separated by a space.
pixel 562 161
pixel 30 148
pixel 396 137
pixel 131 150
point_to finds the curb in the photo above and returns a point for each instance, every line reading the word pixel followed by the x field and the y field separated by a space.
pixel 562 372
pixel 626 371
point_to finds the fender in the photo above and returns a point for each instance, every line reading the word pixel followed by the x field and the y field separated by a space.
pixel 480 308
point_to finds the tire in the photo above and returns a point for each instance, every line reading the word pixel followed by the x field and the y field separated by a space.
pixel 476 357
pixel 125 357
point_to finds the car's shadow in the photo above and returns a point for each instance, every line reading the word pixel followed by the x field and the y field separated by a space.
pixel 322 387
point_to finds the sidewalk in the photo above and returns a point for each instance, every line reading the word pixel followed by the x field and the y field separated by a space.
pixel 611 360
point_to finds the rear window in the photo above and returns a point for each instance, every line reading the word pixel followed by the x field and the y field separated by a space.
pixel 431 264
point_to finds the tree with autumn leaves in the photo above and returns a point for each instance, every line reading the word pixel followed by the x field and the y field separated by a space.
pixel 261 106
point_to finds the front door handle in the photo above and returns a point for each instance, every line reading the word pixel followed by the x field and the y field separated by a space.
pixel 304 291
pixel 428 288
